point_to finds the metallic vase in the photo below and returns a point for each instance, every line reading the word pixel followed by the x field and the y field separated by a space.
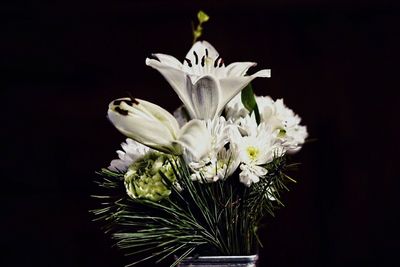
pixel 220 261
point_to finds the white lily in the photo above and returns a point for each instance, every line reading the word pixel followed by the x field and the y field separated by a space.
pixel 202 82
pixel 153 126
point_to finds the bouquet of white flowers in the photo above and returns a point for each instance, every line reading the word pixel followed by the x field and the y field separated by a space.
pixel 200 180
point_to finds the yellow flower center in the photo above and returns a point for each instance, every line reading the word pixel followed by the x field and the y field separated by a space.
pixel 282 133
pixel 253 152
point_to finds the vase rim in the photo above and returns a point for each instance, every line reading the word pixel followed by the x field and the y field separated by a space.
pixel 243 258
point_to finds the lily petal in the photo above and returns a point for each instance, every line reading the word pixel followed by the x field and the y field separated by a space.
pixel 238 68
pixel 160 114
pixel 205 96
pixel 199 48
pixel 176 78
pixel 168 60
pixel 146 123
pixel 196 139
pixel 231 86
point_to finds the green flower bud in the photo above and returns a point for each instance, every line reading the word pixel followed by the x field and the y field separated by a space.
pixel 143 179
pixel 202 16
pixel 197 32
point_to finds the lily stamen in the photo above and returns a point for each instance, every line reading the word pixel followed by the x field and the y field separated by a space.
pixel 196 57
pixel 216 61
pixel 221 63
pixel 188 62
pixel 133 100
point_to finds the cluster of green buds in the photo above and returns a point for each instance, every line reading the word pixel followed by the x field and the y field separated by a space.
pixel 143 178
pixel 198 31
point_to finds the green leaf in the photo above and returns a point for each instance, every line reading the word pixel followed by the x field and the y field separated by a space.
pixel 249 101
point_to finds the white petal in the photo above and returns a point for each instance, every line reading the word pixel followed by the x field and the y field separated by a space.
pixel 147 110
pixel 196 139
pixel 204 97
pixel 232 158
pixel 258 170
pixel 169 60
pixel 265 73
pixel 146 132
pixel 270 193
pixel 118 165
pixel 176 78
pixel 238 68
pixel 161 115
pixel 200 49
pixel 151 126
pixel 231 86
pixel 181 115
pixel 246 176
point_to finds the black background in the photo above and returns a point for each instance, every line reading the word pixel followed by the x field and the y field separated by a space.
pixel 335 63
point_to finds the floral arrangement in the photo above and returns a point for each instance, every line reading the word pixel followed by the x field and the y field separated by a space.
pixel 198 181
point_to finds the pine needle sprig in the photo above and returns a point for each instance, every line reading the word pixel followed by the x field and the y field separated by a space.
pixel 219 218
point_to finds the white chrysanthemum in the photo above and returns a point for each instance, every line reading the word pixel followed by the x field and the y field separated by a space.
pixel 235 110
pixel 257 145
pixel 276 115
pixel 295 137
pixel 217 168
pixel 220 131
pixel 220 163
pixel 286 122
pixel 251 174
pixel 131 151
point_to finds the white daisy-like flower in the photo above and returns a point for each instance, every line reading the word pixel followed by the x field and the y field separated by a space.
pixel 217 168
pixel 251 174
pixel 257 145
pixel 286 122
pixel 131 151
pixel 294 138
pixel 276 115
pixel 220 162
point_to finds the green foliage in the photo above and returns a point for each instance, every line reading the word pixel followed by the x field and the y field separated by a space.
pixel 249 101
pixel 219 218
